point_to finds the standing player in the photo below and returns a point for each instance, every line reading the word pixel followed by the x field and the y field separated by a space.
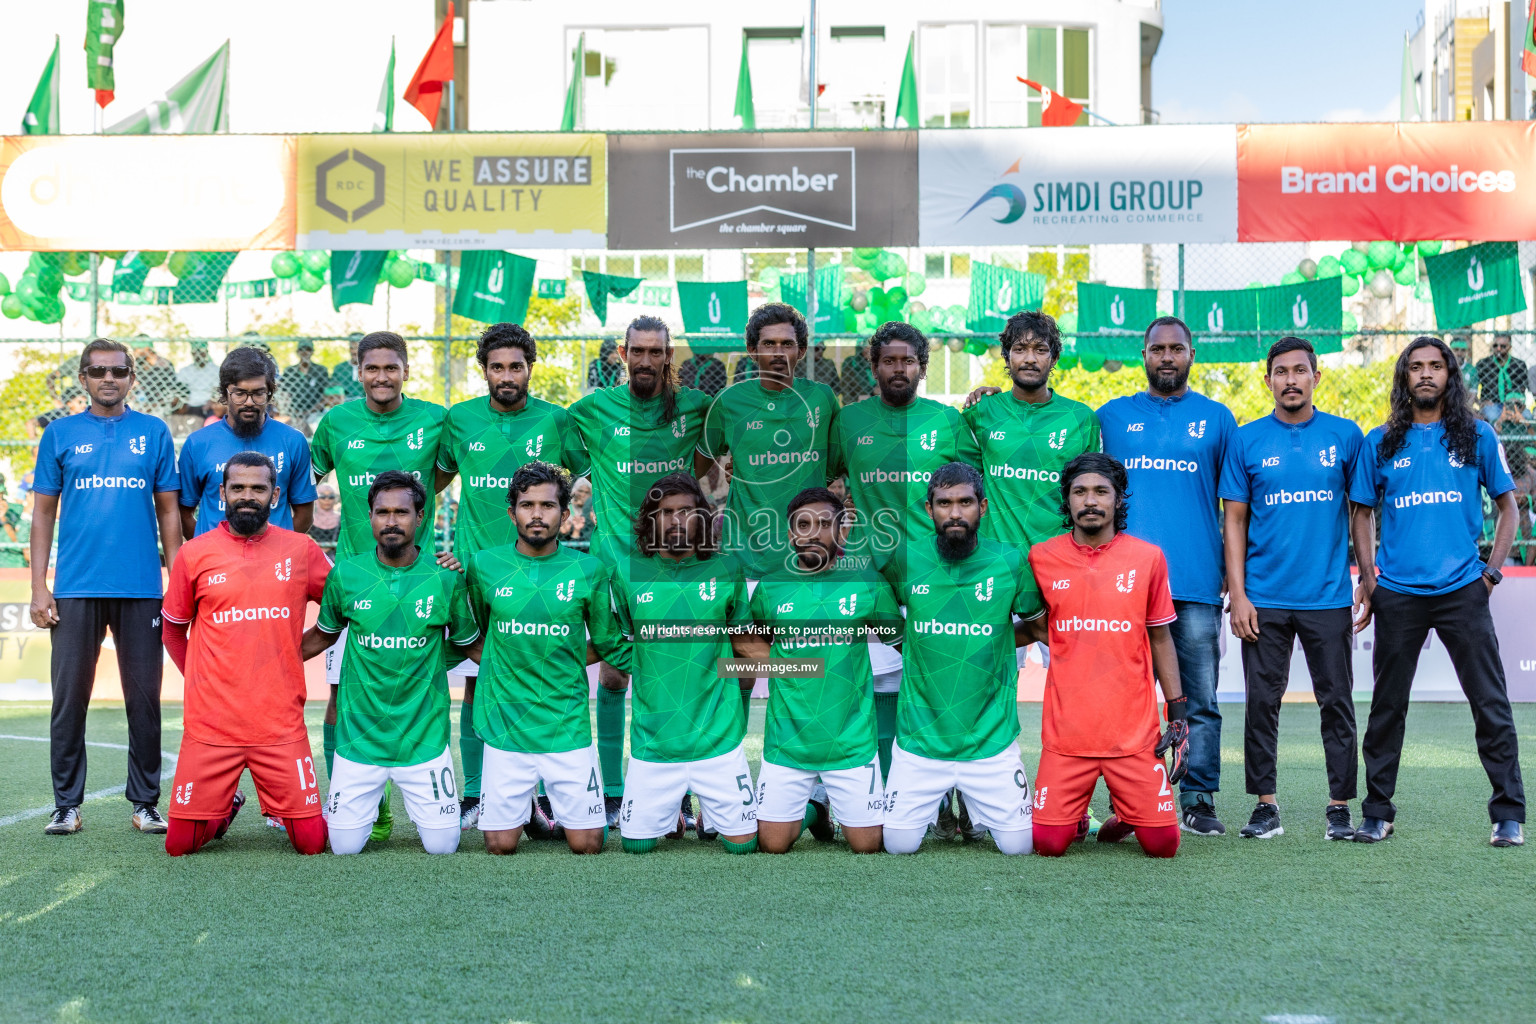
pixel 1107 638
pixel 486 440
pixel 680 601
pixel 242 589
pixel 118 468
pixel 360 440
pixel 636 433
pixel 247 386
pixel 537 601
pixel 1173 442
pixel 889 446
pixel 402 612
pixel 957 721
pixel 823 728
pixel 1425 467
pixel 1285 486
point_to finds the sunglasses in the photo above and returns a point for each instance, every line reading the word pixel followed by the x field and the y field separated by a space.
pixel 117 372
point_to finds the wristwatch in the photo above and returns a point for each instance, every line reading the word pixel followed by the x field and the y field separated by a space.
pixel 1494 576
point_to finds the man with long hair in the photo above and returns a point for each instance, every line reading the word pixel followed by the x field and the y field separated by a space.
pixel 1426 465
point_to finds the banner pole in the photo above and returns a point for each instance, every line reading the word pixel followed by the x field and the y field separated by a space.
pixel 1179 305
pixel 810 254
pixel 96 293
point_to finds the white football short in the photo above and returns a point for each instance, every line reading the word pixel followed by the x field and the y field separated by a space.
pixel 333 655
pixel 653 791
pixel 430 790
pixel 857 796
pixel 466 668
pixel 996 789
pixel 573 779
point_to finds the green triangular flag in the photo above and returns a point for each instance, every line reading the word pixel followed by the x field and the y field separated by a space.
pixel 829 296
pixel 355 275
pixel 1303 309
pixel 196 105
pixel 906 95
pixel 201 284
pixel 129 273
pixel 42 116
pixel 574 93
pixel 384 119
pixel 712 307
pixel 1473 284
pixel 744 108
pixel 103 28
pixel 601 286
pixel 1408 95
pixel 494 286
pixel 999 292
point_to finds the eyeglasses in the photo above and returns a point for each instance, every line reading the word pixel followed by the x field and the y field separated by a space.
pixel 119 373
pixel 239 396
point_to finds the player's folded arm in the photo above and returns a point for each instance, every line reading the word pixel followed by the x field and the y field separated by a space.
pixel 1031 630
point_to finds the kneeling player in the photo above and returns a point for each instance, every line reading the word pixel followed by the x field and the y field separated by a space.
pixel 242 589
pixel 401 612
pixel 1108 607
pixel 682 601
pixel 537 601
pixel 957 719
pixel 820 728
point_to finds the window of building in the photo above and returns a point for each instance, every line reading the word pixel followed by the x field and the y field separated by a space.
pixel 854 71
pixel 947 78
pixel 645 78
pixel 1057 58
pixel 690 268
pixel 774 56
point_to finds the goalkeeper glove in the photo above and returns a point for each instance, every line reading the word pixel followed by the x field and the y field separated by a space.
pixel 1176 738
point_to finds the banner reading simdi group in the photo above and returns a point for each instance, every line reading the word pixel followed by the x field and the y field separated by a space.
pixel 1404 182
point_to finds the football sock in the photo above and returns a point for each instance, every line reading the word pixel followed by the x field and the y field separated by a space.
pixel 750 846
pixel 434 840
pixel 746 705
pixel 1053 840
pixel 812 814
pixel 885 727
pixel 349 840
pixel 307 834
pixel 1159 841
pixel 902 840
pixel 384 824
pixel 610 739
pixel 1017 842
pixel 187 835
pixel 638 845
pixel 328 743
pixel 471 750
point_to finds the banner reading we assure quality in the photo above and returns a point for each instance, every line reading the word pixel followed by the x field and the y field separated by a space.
pixel 452 191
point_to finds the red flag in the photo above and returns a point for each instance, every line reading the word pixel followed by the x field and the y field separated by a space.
pixel 1528 53
pixel 104 96
pixel 425 92
pixel 1056 111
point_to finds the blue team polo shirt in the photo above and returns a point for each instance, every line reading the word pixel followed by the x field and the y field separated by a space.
pixel 1296 480
pixel 1173 450
pixel 1431 512
pixel 202 469
pixel 106 471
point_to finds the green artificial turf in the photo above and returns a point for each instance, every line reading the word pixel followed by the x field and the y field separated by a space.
pixel 1433 925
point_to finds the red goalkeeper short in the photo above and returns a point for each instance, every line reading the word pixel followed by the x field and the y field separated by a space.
pixel 1138 788
pixel 208 775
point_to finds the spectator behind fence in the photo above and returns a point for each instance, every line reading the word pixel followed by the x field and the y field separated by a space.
pixel 334 396
pixel 304 385
pixel 704 372
pixel 344 375
pixel 1462 349
pixel 826 368
pixel 157 391
pixel 74 400
pixel 607 370
pixel 858 377
pixel 578 525
pixel 201 376
pixel 1515 434
pixel 746 369
pixel 327 517
pixel 1500 378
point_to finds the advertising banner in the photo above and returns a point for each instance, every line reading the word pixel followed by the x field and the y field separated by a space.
pixel 452 191
pixel 999 292
pixel 752 190
pixel 1048 186
pixel 1473 284
pixel 712 307
pixel 160 192
pixel 1403 182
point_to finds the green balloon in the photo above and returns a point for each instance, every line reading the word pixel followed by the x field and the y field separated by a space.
pixel 180 264
pixel 1329 266
pixel 401 273
pixel 315 260
pixel 1353 261
pixel 976 346
pixel 311 282
pixel 1380 255
pixel 1256 284
pixel 27 290
pixel 922 319
pixel 285 265
pixel 769 278
pixel 1421 289
pixel 1292 277
pixel 956 315
pixel 1399 260
pixel 151 259
pixel 11 306
pixel 1067 361
pixel 1091 363
pixel 889 265
pixel 916 284
pixel 1430 248
pixel 1351 322
pixel 1409 247
pixel 1067 323
pixel 866 253
pixel 1307 269
pixel 74 264
pixel 50 311
pixel 850 321
pixel 1407 274
pixel 896 298
pixel 1350 284
pixel 5 285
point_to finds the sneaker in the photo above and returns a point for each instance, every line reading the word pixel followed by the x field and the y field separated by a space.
pixel 276 823
pixel 1339 825
pixel 1113 830
pixel 469 813
pixel 969 831
pixel 1082 828
pixel 1093 822
pixel 541 825
pixel 234 811
pixel 65 821
pixel 147 819
pixel 822 829
pixel 947 824
pixel 1264 823
pixel 612 805
pixel 384 824
pixel 547 811
pixel 690 823
pixel 1200 818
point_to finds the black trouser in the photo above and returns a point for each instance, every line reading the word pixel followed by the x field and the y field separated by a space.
pixel 1325 636
pixel 83 623
pixel 1464 625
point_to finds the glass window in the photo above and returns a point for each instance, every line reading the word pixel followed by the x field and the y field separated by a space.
pixel 774 58
pixel 947 55
pixel 933 264
pixel 854 71
pixel 1006 95
pixel 689 268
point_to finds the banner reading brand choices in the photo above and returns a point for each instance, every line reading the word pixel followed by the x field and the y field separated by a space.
pixel 1301 182
pixel 1046 186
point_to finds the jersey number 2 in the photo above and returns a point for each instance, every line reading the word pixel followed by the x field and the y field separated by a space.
pixel 1162 772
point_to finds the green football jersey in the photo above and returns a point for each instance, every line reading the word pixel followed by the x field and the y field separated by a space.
pixel 778 443
pixel 392 705
pixel 959 690
pixel 630 450
pixel 485 448
pixel 532 694
pixel 678 614
pixel 1024 448
pixel 827 723
pixel 889 453
pixel 359 445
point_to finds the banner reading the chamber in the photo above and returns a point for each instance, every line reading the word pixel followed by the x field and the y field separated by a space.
pixel 452 191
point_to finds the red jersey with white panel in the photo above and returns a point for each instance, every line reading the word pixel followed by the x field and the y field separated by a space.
pixel 245 599
pixel 1100 693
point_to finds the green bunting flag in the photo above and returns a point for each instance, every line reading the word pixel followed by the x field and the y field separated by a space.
pixel 829 296
pixel 571 119
pixel 906 94
pixel 600 287
pixel 129 272
pixel 384 118
pixel 42 116
pixel 1474 284
pixel 712 307
pixel 1218 318
pixel 494 286
pixel 196 105
pixel 355 275
pixel 999 292
pixel 745 111
pixel 103 28
pixel 201 283
pixel 1119 316
pixel 1300 309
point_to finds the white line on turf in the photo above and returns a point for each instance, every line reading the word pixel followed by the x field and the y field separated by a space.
pixel 100 794
pixel 1296 1018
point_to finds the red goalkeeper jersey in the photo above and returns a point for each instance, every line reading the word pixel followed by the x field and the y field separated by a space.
pixel 1100 696
pixel 245 599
